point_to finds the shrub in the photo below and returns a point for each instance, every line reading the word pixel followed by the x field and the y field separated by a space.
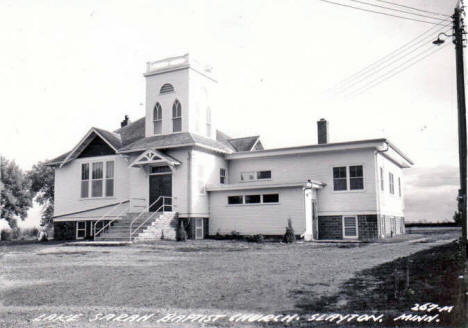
pixel 181 234
pixel 259 238
pixel 5 235
pixel 235 235
pixel 289 236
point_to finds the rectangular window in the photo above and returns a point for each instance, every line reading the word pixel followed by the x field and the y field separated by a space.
pixel 252 199
pixel 356 178
pixel 339 178
pixel 263 175
pixel 109 179
pixel 222 176
pixel 248 176
pixel 97 179
pixel 84 180
pixel 350 227
pixel 255 175
pixel 271 198
pixel 381 179
pixel 399 187
pixel 80 229
pixel 391 186
pixel 234 200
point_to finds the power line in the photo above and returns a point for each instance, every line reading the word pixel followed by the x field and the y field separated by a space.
pixel 399 10
pixel 378 12
pixel 403 6
pixel 386 77
pixel 386 64
pixel 390 55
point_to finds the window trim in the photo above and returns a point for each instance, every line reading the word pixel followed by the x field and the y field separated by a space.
pixel 90 179
pixel 157 118
pixel 255 174
pixel 253 194
pixel 174 113
pixel 83 229
pixel 391 183
pixel 399 187
pixel 222 175
pixel 382 179
pixel 357 226
pixel 348 186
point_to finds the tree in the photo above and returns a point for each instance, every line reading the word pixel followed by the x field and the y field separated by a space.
pixel 15 196
pixel 457 218
pixel 41 178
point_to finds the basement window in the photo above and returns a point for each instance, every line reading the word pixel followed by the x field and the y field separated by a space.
pixel 271 198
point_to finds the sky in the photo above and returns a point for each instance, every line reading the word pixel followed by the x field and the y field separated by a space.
pixel 70 65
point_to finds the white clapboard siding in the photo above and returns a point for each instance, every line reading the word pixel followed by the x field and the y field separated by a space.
pixel 267 219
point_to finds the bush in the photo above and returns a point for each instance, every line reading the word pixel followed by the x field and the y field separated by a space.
pixel 5 235
pixel 235 235
pixel 289 236
pixel 181 233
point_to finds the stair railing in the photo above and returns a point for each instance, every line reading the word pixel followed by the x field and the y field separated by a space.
pixel 162 207
pixel 107 214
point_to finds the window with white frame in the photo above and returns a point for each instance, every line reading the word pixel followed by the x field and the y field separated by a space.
pixel 97 175
pixel 109 178
pixel 356 177
pixel 222 176
pixel 350 227
pixel 253 199
pixel 348 178
pixel 255 175
pixel 391 185
pixel 157 119
pixel 84 180
pixel 399 187
pixel 80 229
pixel 176 116
pixel 97 179
pixel 208 121
pixel 340 181
pixel 381 179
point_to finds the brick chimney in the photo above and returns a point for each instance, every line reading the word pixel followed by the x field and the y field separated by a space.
pixel 322 131
pixel 124 122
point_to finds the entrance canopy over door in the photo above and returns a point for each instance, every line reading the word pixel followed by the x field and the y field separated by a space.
pixel 152 157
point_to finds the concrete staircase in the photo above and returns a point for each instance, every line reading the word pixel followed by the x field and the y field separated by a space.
pixel 161 226
pixel 120 229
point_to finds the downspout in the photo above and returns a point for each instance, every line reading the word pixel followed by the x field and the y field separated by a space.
pixel 377 185
pixel 189 183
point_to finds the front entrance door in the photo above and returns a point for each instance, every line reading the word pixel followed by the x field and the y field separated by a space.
pixel 160 185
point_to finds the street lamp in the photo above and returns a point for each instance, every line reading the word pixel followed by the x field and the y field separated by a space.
pixel 439 41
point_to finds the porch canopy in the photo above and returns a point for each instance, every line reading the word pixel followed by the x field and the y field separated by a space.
pixel 151 157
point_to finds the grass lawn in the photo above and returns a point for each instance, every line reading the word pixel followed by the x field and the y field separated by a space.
pixel 203 277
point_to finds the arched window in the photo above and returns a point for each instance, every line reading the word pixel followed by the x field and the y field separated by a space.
pixel 166 88
pixel 176 116
pixel 208 121
pixel 157 119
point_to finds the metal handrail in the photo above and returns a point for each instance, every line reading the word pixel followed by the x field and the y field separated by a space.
pixel 144 211
pixel 108 223
pixel 105 215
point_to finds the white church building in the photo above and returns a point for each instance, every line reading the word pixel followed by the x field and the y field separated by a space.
pixel 173 167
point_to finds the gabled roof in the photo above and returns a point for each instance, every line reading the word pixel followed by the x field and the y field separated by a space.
pixel 112 139
pixel 154 158
pixel 175 140
pixel 244 144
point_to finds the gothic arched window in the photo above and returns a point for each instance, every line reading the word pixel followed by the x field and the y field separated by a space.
pixel 157 119
pixel 176 116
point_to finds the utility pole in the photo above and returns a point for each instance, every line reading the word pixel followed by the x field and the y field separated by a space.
pixel 458 31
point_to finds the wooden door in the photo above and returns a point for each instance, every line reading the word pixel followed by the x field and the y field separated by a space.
pixel 160 185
